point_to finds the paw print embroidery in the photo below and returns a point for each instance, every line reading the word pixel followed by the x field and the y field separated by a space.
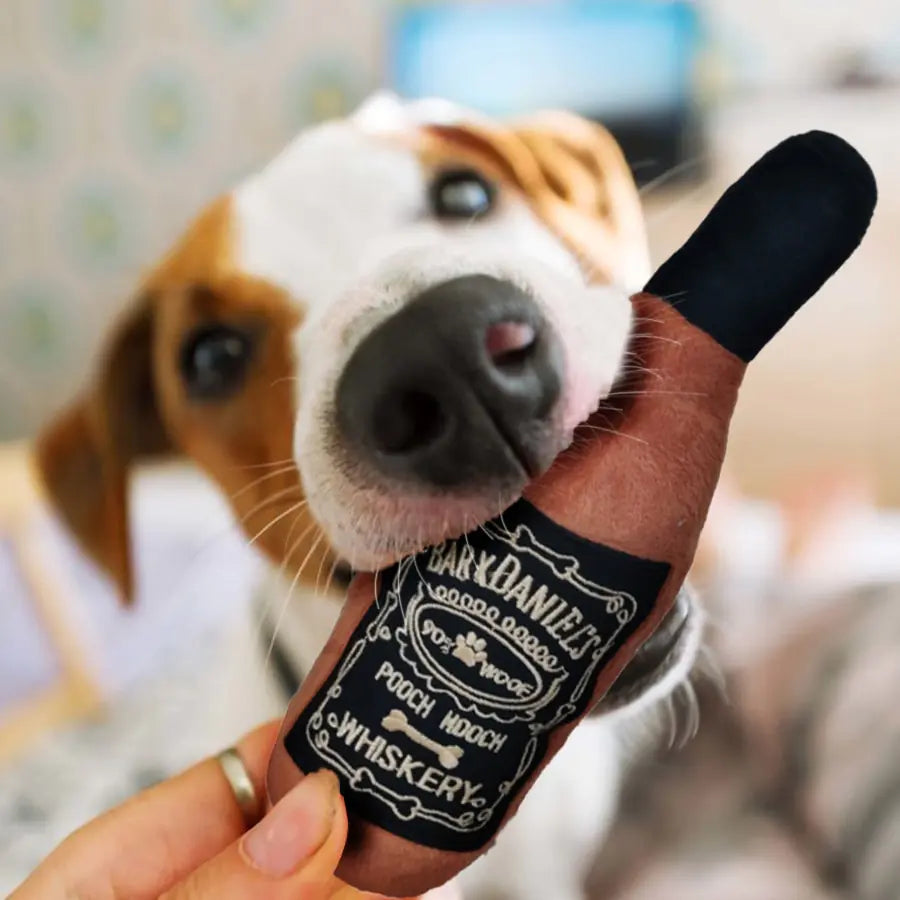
pixel 470 649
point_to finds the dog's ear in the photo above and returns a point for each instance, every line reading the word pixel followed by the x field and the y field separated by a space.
pixel 86 454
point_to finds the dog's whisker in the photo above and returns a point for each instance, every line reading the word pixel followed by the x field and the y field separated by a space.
pixel 319 571
pixel 281 516
pixel 466 529
pixel 646 336
pixel 330 579
pixel 506 532
pixel 277 473
pixel 297 519
pixel 676 205
pixel 212 541
pixel 640 370
pixel 669 706
pixel 262 620
pixel 288 556
pixel 265 465
pixel 615 432
pixel 639 164
pixel 655 393
pixel 670 174
pixel 635 365
pixel 676 299
pixel 688 697
pixel 277 381
pixel 268 500
pixel 287 600
pixel 651 319
pixel 415 565
pixel 311 526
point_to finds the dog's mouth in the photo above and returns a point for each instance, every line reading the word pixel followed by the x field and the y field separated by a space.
pixel 390 525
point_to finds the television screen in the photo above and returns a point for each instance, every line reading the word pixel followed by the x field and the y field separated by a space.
pixel 628 63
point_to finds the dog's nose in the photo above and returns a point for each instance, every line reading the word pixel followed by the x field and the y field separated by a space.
pixel 457 389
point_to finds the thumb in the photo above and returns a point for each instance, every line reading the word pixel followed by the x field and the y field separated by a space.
pixel 292 852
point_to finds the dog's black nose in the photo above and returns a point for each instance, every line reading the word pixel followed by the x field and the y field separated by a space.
pixel 457 389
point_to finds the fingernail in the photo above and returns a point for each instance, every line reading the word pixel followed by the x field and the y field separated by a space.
pixel 295 827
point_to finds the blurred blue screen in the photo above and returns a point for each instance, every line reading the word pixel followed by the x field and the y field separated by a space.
pixel 613 58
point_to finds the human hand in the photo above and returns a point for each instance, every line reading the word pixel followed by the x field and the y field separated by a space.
pixel 187 838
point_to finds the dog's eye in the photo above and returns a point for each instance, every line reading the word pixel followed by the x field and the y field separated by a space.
pixel 461 194
pixel 214 361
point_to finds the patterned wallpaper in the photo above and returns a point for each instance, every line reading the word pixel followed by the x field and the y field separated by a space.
pixel 118 120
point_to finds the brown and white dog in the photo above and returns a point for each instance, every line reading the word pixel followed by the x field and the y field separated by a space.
pixel 372 345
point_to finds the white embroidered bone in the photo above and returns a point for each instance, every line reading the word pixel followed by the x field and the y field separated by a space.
pixel 396 720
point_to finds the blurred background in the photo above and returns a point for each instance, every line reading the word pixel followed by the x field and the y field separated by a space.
pixel 120 119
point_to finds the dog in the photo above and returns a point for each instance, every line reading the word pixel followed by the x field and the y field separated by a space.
pixel 373 345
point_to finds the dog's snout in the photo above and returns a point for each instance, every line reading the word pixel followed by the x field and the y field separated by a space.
pixel 458 389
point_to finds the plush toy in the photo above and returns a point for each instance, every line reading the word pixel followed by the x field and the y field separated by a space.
pixel 453 678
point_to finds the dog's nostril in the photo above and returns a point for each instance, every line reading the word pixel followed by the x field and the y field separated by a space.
pixel 510 343
pixel 407 422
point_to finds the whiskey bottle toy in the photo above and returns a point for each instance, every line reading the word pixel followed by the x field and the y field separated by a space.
pixel 439 704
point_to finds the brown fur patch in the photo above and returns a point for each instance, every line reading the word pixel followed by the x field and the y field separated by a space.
pixel 243 443
pixel 571 173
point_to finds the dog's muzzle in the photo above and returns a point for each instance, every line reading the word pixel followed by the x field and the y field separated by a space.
pixel 456 391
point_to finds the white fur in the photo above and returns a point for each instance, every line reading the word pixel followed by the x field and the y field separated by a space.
pixel 340 221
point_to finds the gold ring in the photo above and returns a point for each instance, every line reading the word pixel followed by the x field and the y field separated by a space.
pixel 241 784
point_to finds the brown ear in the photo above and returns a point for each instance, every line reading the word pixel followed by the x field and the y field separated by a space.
pixel 86 454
